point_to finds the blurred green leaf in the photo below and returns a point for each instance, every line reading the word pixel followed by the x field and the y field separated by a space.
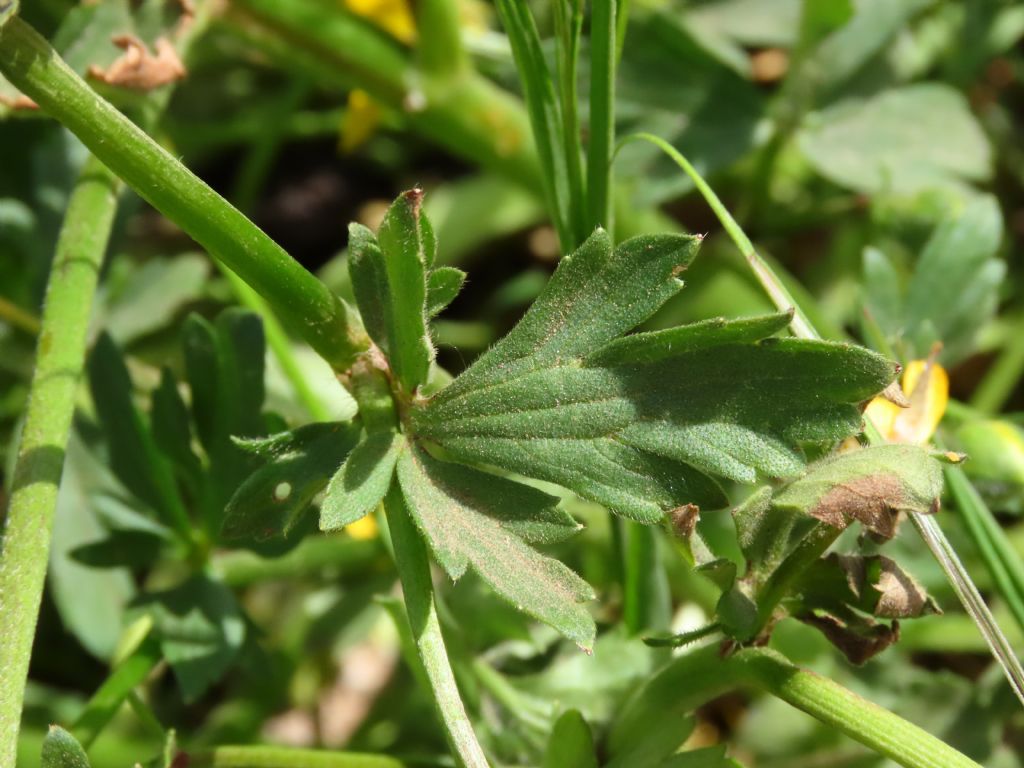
pixel 874 145
pixel 128 549
pixel 634 423
pixel 709 757
pixel 91 602
pixel 470 518
pixel 134 455
pixel 153 294
pixel 200 627
pixel 571 744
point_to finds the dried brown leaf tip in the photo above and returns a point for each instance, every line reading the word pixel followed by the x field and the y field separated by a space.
pixel 873 500
pixel 684 520
pixel 858 639
pixel 900 596
pixel 18 101
pixel 140 69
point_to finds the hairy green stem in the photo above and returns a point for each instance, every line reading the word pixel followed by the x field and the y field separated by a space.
pixel 25 547
pixel 283 757
pixel 695 678
pixel 418 593
pixel 32 65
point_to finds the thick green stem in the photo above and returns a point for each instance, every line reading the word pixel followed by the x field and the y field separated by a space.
pixel 691 680
pixel 282 757
pixel 784 578
pixel 418 593
pixel 25 548
pixel 32 65
pixel 439 38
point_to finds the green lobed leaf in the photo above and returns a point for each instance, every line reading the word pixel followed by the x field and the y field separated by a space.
pixel 171 427
pixel 473 519
pixel 62 750
pixel 868 485
pixel 389 277
pixel 271 500
pixel 637 423
pixel 443 285
pixel 571 744
pixel 361 483
pixel 200 627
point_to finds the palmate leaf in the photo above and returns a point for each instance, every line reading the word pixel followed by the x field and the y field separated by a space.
pixel 474 519
pixel 639 423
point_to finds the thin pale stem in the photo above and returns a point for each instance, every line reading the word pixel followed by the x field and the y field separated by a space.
pixel 1004 375
pixel 18 317
pixel 418 593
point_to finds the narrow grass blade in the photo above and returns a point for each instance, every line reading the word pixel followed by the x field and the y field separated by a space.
pixel 545 115
pixel 600 149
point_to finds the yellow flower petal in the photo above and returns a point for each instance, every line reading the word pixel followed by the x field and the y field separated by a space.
pixel 393 16
pixel 363 528
pixel 360 121
pixel 926 385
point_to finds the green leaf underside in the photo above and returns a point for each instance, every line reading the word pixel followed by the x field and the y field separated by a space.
pixel 473 519
pixel 273 498
pixel 362 481
pixel 867 485
pixel 389 277
pixel 634 423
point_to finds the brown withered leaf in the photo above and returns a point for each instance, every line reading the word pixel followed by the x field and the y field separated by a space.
pixel 858 638
pixel 870 485
pixel 900 594
pixel 138 68
pixel 18 101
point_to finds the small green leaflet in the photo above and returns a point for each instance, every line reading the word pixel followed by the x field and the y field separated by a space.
pixel 62 750
pixel 471 518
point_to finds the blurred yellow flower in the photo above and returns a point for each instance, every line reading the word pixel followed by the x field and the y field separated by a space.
pixel 393 16
pixel 363 528
pixel 926 385
pixel 360 121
